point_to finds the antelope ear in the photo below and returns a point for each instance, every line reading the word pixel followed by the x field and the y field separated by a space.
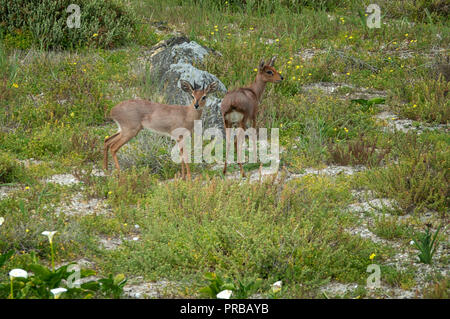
pixel 261 65
pixel 272 60
pixel 211 88
pixel 186 86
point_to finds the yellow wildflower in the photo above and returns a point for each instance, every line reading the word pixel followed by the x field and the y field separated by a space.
pixel 15 85
pixel 372 256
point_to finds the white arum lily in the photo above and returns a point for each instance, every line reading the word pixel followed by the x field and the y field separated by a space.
pixel 16 273
pixel 57 292
pixel 2 220
pixel 224 294
pixel 276 287
pixel 50 235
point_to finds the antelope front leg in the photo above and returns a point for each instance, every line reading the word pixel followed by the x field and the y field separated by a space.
pixel 227 146
pixel 184 160
pixel 255 140
pixel 239 141
pixel 180 145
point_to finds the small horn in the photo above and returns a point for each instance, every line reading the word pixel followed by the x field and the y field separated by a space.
pixel 272 60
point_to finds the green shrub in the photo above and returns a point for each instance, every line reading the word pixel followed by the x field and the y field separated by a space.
pixel 360 151
pixel 390 228
pixel 418 10
pixel 428 101
pixel 416 183
pixel 10 169
pixel 104 24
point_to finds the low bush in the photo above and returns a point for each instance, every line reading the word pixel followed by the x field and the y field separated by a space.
pixel 357 152
pixel 104 24
pixel 427 100
pixel 416 183
pixel 10 169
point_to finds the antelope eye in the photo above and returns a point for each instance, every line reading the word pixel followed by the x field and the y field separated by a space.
pixel 269 72
pixel 203 97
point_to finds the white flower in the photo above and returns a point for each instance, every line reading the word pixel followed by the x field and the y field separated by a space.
pixel 18 273
pixel 135 238
pixel 276 287
pixel 50 235
pixel 2 220
pixel 224 294
pixel 411 242
pixel 136 226
pixel 57 292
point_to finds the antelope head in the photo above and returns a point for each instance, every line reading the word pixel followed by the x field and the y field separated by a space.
pixel 198 94
pixel 267 71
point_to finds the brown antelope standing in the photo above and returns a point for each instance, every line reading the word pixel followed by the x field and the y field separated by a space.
pixel 241 105
pixel 133 115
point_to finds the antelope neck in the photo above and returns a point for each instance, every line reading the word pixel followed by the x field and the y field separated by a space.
pixel 195 113
pixel 258 87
